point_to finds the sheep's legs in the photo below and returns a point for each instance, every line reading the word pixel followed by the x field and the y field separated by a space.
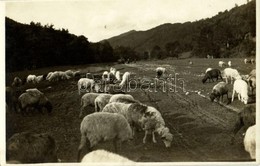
pixel 238 95
pixel 233 95
pixel 154 140
pixel 145 136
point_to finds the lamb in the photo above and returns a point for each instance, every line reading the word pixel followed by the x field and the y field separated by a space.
pixel 221 63
pixel 101 101
pixel 31 99
pixel 160 71
pixel 246 117
pixel 17 82
pixel 240 87
pixel 214 73
pixel 103 126
pixel 27 147
pixel 87 84
pixel 208 69
pixel 250 141
pixel 229 63
pixel 103 156
pixel 116 97
pixel 153 122
pixel 219 90
pixel 87 99
pixel 125 79
pixel 31 79
pixel 232 74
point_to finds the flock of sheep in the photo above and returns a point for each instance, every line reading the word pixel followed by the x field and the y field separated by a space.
pixel 241 85
pixel 117 116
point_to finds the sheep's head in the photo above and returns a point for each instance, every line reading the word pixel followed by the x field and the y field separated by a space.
pixel 212 97
pixel 204 79
pixel 244 99
pixel 166 137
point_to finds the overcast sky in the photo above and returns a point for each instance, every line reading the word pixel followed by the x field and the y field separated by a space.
pixel 102 19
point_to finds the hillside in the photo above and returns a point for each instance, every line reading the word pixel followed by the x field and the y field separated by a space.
pixel 230 33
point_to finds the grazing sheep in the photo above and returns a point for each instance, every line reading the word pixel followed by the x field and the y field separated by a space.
pixel 87 99
pixel 31 99
pixel 49 75
pixel 103 156
pixel 11 96
pixel 17 82
pixel 31 79
pixel 240 87
pixel 57 76
pixel 113 70
pixel 232 74
pixel 160 71
pixel 208 69
pixel 247 61
pixel 229 63
pixel 101 101
pixel 219 90
pixel 118 77
pixel 250 141
pixel 153 122
pixel 221 63
pixel 252 83
pixel 39 78
pixel 88 85
pixel 105 76
pixel 214 73
pixel 132 112
pixel 125 79
pixel 116 97
pixel 29 147
pixel 252 73
pixel 103 126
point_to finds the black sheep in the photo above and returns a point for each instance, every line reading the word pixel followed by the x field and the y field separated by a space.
pixel 214 73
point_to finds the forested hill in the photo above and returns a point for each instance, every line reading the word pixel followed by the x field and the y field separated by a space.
pixel 228 34
pixel 35 45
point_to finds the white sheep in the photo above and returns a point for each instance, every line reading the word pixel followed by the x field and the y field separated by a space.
pixel 105 76
pixel 208 69
pixel 221 63
pixel 103 126
pixel 70 73
pixel 219 90
pixel 116 97
pixel 240 87
pixel 88 85
pixel 160 71
pixel 153 122
pixel 27 147
pixel 87 99
pixel 125 79
pixel 101 101
pixel 49 75
pixel 229 63
pixel 232 74
pixel 39 78
pixel 31 79
pixel 118 77
pixel 103 156
pixel 250 141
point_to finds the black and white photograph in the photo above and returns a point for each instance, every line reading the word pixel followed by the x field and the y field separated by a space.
pixel 130 82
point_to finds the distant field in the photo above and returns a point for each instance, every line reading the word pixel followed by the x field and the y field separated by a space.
pixel 201 129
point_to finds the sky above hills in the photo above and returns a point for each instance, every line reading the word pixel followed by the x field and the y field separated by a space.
pixel 102 19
